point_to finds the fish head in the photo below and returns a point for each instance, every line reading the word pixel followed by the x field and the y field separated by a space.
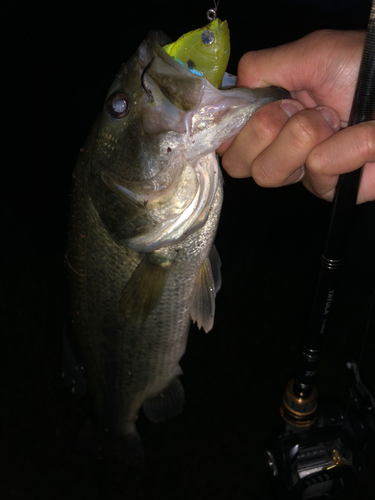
pixel 158 122
pixel 144 119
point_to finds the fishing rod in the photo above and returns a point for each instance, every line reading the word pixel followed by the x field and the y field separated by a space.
pixel 321 451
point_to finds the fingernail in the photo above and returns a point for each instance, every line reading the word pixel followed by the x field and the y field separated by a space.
pixel 296 176
pixel 331 116
pixel 291 107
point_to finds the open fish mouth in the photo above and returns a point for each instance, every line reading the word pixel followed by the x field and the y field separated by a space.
pixel 179 85
pixel 186 103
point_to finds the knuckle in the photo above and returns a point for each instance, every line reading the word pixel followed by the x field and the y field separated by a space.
pixel 227 163
pixel 262 175
pixel 320 35
pixel 232 166
pixel 264 128
pixel 303 132
pixel 366 142
pixel 317 162
pixel 244 66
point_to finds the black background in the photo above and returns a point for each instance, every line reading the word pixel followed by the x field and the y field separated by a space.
pixel 59 60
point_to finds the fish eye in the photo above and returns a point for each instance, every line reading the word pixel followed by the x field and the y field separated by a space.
pixel 118 105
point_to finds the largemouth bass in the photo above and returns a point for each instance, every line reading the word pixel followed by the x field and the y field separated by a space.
pixel 145 206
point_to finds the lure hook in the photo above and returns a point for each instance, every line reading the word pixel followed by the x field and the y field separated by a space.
pixel 212 13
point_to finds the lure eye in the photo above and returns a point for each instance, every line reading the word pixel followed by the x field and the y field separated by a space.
pixel 118 105
pixel 207 37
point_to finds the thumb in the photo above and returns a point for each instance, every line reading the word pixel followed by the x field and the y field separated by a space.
pixel 305 64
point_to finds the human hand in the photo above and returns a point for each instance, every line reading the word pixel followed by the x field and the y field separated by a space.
pixel 299 140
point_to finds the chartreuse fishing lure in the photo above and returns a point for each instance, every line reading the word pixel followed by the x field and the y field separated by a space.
pixel 205 51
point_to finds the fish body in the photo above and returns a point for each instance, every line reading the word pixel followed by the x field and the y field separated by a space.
pixel 145 206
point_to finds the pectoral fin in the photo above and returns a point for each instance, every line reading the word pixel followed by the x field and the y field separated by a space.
pixel 202 310
pixel 168 404
pixel 144 289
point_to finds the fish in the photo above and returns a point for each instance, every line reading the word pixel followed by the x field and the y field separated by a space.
pixel 145 205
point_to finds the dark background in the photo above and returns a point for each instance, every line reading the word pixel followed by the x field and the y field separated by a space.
pixel 59 60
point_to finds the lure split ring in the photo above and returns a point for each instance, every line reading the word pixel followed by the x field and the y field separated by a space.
pixel 211 14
